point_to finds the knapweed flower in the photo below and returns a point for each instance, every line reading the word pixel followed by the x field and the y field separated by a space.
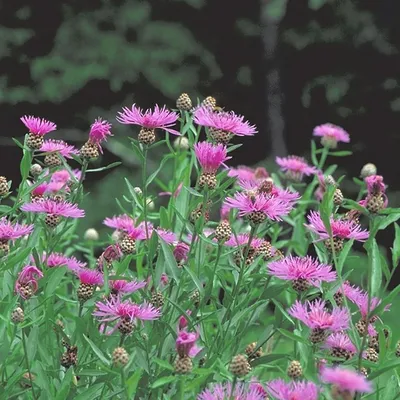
pixel 242 241
pixel 181 251
pixel 120 222
pixel 37 127
pixel 302 272
pixel 166 235
pixel 331 135
pixel 54 210
pixel 319 319
pixel 210 157
pixel 259 207
pixel 10 231
pixel 26 284
pixel 125 313
pixel 128 242
pixel 341 229
pixel 186 343
pixel 376 199
pixel 340 345
pixel 110 254
pixel 223 391
pixel 60 260
pixel 64 176
pixel 295 167
pixel 346 380
pixel 89 279
pixel 99 131
pixel 303 390
pixel 223 125
pixel 122 287
pixel 55 148
pixel 245 173
pixel 183 322
pixel 149 121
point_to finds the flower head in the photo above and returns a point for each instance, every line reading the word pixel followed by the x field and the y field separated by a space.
pixel 139 232
pixel 225 121
pixel 316 316
pixel 331 133
pixel 223 391
pixel 58 146
pixel 64 176
pixel 121 286
pixel 210 156
pixel 361 299
pixel 242 239
pixel 9 231
pixel 181 251
pixel 375 184
pixel 186 343
pixel 38 126
pixel 90 276
pixel 245 173
pixel 340 341
pixel 40 190
pixel 166 235
pixel 59 260
pixel 52 207
pixel 120 222
pixel 99 131
pixel 304 268
pixel 303 390
pixel 341 228
pixel 26 284
pixel 346 380
pixel 295 167
pixel 182 322
pixel 150 119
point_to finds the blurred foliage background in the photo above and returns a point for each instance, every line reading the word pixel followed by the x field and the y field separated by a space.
pixel 287 65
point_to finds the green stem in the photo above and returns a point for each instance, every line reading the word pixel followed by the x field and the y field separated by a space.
pixel 232 394
pixel 103 391
pixel 27 363
pixel 144 189
pixel 123 383
pixel 324 156
pixel 182 381
pixel 209 291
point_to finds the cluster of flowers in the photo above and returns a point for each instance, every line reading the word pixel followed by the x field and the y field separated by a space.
pixel 259 199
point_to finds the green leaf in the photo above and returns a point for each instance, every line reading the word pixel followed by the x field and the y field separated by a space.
pixel 163 381
pixel 133 381
pixel 375 270
pixel 326 207
pixel 164 364
pixel 283 311
pixel 314 153
pixel 343 153
pixel 269 358
pixel 292 336
pixel 97 351
pixel 25 164
pixel 343 255
pixel 18 257
pixel 157 171
pixel 316 4
pixel 112 165
pixel 91 393
pixel 171 265
pixel 396 246
pixel 392 389
pixel 391 366
pixel 387 300
pixel 54 278
pixel 62 392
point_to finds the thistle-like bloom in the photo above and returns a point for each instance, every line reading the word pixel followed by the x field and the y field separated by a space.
pixel 99 131
pixel 295 167
pixel 150 119
pixel 242 239
pixel 110 254
pixel 181 251
pixel 376 199
pixel 340 344
pixel 223 391
pixel 60 260
pixel 210 156
pixel 120 222
pixel 346 380
pixel 182 322
pixel 166 235
pixel 245 173
pixel 331 134
pixel 316 316
pixel 375 184
pixel 361 300
pixel 225 121
pixel 261 205
pixel 303 390
pixel 341 228
pixel 64 176
pixel 56 208
pixel 9 231
pixel 186 343
pixel 58 146
pixel 90 277
pixel 139 232
pixel 40 190
pixel 26 284
pixel 120 311
pixel 122 287
pixel 38 126
pixel 306 269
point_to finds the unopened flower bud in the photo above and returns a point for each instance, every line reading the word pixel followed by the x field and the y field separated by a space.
pixel 368 170
pixel 17 316
pixel 91 234
pixel 120 357
pixel 150 204
pixel 184 102
pixel 3 186
pixel 181 143
pixel 137 190
pixel 36 170
pixel 240 366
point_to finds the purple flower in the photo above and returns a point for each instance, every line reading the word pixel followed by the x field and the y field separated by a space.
pixel 38 126
pixel 224 121
pixel 210 156
pixel 242 239
pixel 223 391
pixel 121 287
pixel 57 208
pixel 59 260
pixel 341 228
pixel 120 222
pixel 346 380
pixel 58 146
pixel 304 268
pixel 139 232
pixel 360 299
pixel 316 316
pixel 375 184
pixel 166 235
pixel 99 131
pixel 295 167
pixel 151 119
pixel 181 251
pixel 245 173
pixel 303 390
pixel 186 343
pixel 26 284
pixel 340 342
pixel 331 133
pixel 9 231
pixel 64 176
pixel 90 277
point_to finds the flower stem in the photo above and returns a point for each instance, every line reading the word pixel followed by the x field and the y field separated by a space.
pixel 27 363
pixel 144 189
pixel 123 383
pixel 232 394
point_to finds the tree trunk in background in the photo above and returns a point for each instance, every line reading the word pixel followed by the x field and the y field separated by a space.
pixel 270 20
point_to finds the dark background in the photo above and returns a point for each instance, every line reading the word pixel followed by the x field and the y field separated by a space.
pixel 287 65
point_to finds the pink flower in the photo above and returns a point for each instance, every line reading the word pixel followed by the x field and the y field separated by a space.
pixel 55 187
pixel 304 268
pixel 245 173
pixel 38 126
pixel 360 299
pixel 121 287
pixel 166 235
pixel 58 146
pixel 59 260
pixel 181 251
pixel 332 132
pixel 303 390
pixel 139 232
pixel 99 131
pixel 272 207
pixel 9 231
pixel 210 156
pixel 346 380
pixel 341 228
pixel 375 184
pixel 316 316
pixel 225 121
pixel 117 310
pixel 40 190
pixel 64 176
pixel 151 119
pixel 182 323
pixel 223 391
pixel 26 284
pixel 120 222
pixel 295 167
pixel 52 207
pixel 224 211
pixel 340 341
pixel 90 276
pixel 110 254
pixel 186 343
pixel 242 239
